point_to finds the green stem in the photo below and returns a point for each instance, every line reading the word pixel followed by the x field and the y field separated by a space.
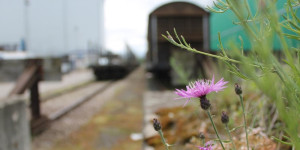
pixel 245 121
pixel 283 142
pixel 212 122
pixel 230 136
pixel 203 142
pixel 163 139
pixel 204 53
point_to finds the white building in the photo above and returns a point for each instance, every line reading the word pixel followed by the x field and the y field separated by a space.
pixel 52 27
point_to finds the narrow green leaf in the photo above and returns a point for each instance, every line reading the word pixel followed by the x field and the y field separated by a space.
pixel 283 142
pixel 220 6
pixel 177 36
pixel 186 44
pixel 215 11
pixel 242 45
pixel 290 36
pixel 233 129
pixel 221 45
pixel 223 3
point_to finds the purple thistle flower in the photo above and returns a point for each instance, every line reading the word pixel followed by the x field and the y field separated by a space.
pixel 205 148
pixel 208 146
pixel 201 88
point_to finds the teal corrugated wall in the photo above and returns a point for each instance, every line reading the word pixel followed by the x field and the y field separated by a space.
pixel 223 23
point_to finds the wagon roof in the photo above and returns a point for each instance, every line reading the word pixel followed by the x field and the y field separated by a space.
pixel 179 8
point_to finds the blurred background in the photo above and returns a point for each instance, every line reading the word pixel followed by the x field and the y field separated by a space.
pixel 91 74
pixel 62 27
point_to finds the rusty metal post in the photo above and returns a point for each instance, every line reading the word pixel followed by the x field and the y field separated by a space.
pixel 35 100
pixel 29 79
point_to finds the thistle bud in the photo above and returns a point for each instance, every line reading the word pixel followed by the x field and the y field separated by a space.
pixel 156 125
pixel 170 38
pixel 238 89
pixel 224 117
pixel 204 103
pixel 201 136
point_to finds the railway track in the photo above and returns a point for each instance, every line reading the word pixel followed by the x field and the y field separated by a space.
pixel 56 107
pixel 104 105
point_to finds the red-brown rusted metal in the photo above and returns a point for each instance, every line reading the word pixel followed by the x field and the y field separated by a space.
pixel 29 79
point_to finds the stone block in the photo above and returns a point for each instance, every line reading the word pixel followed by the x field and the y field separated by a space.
pixel 14 125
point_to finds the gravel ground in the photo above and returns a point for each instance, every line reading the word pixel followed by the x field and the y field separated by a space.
pixel 61 129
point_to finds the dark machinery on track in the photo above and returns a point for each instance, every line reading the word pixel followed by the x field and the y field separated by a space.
pixel 112 66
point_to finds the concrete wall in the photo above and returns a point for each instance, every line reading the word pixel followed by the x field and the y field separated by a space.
pixel 14 125
pixel 10 70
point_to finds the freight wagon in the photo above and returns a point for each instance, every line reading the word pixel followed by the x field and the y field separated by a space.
pixel 200 28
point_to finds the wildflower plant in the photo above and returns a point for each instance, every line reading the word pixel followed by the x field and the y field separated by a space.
pixel 277 78
pixel 238 91
pixel 225 120
pixel 199 89
pixel 157 127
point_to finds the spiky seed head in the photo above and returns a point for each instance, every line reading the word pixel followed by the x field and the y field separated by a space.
pixel 224 117
pixel 238 89
pixel 201 135
pixel 156 125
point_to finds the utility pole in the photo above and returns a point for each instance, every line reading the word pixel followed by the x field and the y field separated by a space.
pixel 100 20
pixel 26 24
pixel 65 25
